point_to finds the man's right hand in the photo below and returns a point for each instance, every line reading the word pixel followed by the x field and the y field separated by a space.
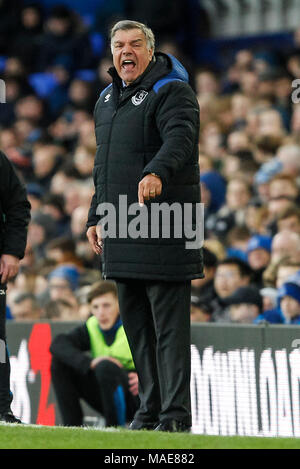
pixel 94 236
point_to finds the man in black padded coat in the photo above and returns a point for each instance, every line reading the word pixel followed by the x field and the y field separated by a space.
pixel 147 130
pixel 14 219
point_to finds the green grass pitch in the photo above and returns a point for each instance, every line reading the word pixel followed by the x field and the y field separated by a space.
pixel 14 436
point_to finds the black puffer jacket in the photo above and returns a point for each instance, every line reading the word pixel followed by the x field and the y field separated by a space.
pixel 14 211
pixel 151 126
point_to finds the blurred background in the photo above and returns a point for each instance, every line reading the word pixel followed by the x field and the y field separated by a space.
pixel 242 57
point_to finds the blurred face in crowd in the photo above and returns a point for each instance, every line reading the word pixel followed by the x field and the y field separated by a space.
pixel 295 121
pixel 206 83
pixel 58 26
pixel 240 106
pixel 199 315
pixel 29 107
pixel 131 55
pixel 237 194
pixel 243 313
pixel 249 83
pixel 244 58
pixel 286 244
pixel 44 159
pixel 283 188
pixel 228 279
pixel 106 309
pixel 237 141
pixel 258 259
pixel 60 289
pixel 30 18
pixel 284 272
pixel 231 165
pixel 78 221
pixel 290 307
pixel 270 123
pixel 289 155
pixel 79 91
pixel 291 223
pixel 277 206
pixel 84 161
pixel 25 310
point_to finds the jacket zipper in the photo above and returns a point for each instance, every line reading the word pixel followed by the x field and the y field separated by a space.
pixel 106 158
pixel 119 104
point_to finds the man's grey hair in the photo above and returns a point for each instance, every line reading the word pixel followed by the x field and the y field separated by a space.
pixel 126 25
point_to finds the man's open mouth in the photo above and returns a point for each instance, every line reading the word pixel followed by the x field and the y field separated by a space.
pixel 128 65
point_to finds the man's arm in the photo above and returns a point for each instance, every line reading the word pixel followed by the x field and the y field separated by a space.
pixel 70 349
pixel 177 119
pixel 15 217
pixel 15 208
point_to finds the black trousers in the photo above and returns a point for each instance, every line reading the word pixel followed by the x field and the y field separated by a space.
pixel 156 318
pixel 5 393
pixel 105 389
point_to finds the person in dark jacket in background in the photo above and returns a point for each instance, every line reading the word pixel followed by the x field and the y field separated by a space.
pixel 105 377
pixel 14 220
pixel 147 131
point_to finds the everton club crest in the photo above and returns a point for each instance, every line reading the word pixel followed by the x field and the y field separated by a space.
pixel 139 97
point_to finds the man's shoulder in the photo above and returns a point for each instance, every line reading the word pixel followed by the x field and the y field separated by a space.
pixel 173 82
pixel 106 90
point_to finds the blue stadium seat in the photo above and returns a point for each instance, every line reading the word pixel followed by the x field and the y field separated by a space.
pixel 97 43
pixel 86 75
pixel 43 83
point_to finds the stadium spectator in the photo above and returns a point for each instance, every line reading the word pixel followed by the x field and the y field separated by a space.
pixel 200 310
pixel 24 307
pixel 41 230
pixel 286 269
pixel 63 282
pixel 259 256
pixel 245 305
pixel 283 186
pixel 233 212
pixel 289 219
pixel 289 297
pixel 204 287
pixel 105 378
pixel 64 37
pixel 286 244
pixel 231 274
pixel 59 310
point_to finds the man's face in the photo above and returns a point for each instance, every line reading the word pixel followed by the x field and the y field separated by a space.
pixel 290 307
pixel 25 311
pixel 258 259
pixel 59 289
pixel 131 55
pixel 243 313
pixel 106 309
pixel 228 279
pixel 284 272
pixel 291 223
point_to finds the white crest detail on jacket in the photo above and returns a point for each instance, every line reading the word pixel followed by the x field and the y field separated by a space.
pixel 107 97
pixel 139 97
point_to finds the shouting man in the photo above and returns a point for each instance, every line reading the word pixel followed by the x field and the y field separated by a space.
pixel 147 129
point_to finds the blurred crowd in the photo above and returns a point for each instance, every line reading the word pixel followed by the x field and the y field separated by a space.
pixel 54 69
